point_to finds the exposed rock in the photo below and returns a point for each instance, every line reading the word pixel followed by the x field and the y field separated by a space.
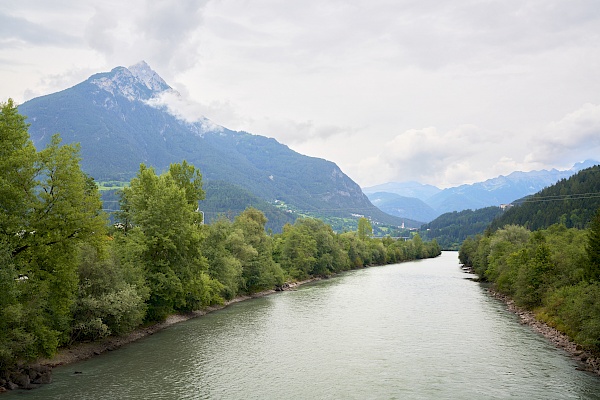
pixel 21 379
pixel 26 377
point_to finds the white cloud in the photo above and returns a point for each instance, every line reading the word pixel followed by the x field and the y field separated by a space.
pixel 574 137
pixel 431 156
pixel 360 82
pixel 189 111
pixel 164 33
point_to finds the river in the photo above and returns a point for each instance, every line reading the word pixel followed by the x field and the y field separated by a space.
pixel 417 330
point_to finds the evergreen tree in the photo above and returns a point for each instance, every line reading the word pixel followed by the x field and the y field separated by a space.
pixel 592 272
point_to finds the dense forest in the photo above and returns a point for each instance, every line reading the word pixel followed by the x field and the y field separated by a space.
pixel 554 271
pixel 221 195
pixel 451 229
pixel 68 275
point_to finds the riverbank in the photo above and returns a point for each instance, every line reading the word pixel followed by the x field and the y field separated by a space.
pixel 33 375
pixel 589 361
pixel 83 351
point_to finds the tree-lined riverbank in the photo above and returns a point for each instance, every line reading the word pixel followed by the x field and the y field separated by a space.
pixel 68 276
pixel 416 330
pixel 588 359
pixel 551 275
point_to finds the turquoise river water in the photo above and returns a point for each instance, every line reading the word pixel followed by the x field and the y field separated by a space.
pixel 417 330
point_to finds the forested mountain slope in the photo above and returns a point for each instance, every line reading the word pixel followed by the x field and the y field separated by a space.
pixel 225 199
pixel 115 118
pixel 401 206
pixel 491 192
pixel 451 229
pixel 571 201
pixel 500 190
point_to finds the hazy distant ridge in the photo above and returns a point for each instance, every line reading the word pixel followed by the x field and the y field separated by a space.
pixel 398 198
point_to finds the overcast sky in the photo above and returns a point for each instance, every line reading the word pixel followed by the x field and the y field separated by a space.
pixel 441 92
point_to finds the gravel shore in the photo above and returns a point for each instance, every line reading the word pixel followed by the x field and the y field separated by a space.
pixel 589 361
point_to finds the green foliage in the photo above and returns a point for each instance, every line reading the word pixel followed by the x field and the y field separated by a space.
pixel 571 202
pixel 545 271
pixel 64 276
pixel 575 310
pixel 365 230
pixel 451 229
pixel 48 208
pixel 225 250
pixel 162 211
pixel 592 271
pixel 500 257
pixel 111 298
pixel 259 270
pixel 534 276
pixel 17 171
pixel 309 248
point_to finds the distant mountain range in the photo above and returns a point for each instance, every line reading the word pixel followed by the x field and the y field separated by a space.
pixel 114 117
pixel 402 206
pixel 571 202
pixel 426 202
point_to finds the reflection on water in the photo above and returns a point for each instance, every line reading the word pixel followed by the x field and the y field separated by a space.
pixel 417 330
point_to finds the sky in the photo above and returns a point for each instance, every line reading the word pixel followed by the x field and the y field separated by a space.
pixel 438 92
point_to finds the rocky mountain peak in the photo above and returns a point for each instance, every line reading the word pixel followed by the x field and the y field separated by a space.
pixel 143 73
pixel 138 82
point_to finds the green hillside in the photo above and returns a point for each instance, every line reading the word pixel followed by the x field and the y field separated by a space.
pixel 451 229
pixel 225 199
pixel 571 202
pixel 112 117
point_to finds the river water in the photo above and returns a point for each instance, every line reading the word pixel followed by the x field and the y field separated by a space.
pixel 417 330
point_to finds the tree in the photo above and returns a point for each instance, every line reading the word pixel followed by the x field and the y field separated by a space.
pixel 592 271
pixel 418 247
pixel 66 211
pixel 225 249
pixel 48 207
pixel 17 174
pixel 111 296
pixel 259 270
pixel 365 229
pixel 166 224
pixel 535 273
pixel 297 251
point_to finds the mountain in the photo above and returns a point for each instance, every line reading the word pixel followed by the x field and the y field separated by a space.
pixel 405 189
pixel 400 206
pixel 117 118
pixel 572 202
pixel 451 229
pixel 492 192
pixel 500 190
pixel 223 198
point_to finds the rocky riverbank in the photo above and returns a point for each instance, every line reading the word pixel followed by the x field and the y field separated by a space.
pixel 33 375
pixel 589 362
